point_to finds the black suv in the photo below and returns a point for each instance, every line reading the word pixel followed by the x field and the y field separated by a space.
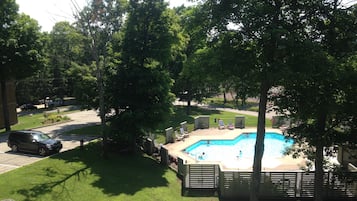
pixel 34 142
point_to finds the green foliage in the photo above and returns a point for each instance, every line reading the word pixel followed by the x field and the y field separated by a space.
pixel 234 58
pixel 195 77
pixel 192 80
pixel 316 94
pixel 140 90
pixel 19 49
pixel 143 107
pixel 39 85
pixel 260 41
pixel 19 43
pixel 66 45
pixel 147 41
pixel 84 84
pixel 99 21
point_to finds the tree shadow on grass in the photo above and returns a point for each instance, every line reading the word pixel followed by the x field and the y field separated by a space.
pixel 47 187
pixel 120 174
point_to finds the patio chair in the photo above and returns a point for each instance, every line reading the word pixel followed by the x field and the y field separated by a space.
pixel 230 126
pixel 179 137
pixel 221 124
pixel 183 132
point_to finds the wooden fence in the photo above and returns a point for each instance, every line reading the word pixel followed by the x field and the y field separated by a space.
pixel 235 184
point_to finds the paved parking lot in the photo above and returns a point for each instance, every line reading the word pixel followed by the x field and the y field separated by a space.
pixel 10 160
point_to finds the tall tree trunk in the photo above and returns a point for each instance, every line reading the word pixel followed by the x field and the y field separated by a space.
pixel 101 105
pixel 319 156
pixel 224 97
pixel 5 106
pixel 243 101
pixel 319 173
pixel 259 145
pixel 188 109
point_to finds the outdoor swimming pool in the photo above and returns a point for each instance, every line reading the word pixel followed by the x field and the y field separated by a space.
pixel 240 149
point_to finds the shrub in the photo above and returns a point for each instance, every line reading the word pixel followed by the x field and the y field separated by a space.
pixel 53 118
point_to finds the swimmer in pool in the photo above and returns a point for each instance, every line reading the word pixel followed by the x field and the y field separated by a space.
pixel 201 156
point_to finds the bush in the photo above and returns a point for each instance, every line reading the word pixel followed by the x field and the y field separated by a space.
pixel 54 118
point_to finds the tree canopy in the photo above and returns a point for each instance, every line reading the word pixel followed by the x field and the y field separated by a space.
pixel 127 58
pixel 20 48
pixel 145 53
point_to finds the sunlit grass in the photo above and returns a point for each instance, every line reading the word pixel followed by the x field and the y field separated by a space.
pixel 179 116
pixel 35 120
pixel 84 175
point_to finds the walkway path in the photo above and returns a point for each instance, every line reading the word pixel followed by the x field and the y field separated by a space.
pixel 10 160
pixel 78 120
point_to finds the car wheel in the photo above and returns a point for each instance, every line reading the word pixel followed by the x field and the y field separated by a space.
pixel 42 151
pixel 14 148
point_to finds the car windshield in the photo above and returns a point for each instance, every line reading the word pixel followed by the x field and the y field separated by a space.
pixel 40 136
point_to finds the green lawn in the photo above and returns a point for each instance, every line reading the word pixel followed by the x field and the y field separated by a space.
pixel 29 121
pixel 179 116
pixel 219 102
pixel 84 175
pixel 34 120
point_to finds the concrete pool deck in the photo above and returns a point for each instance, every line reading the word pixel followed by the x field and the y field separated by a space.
pixel 286 163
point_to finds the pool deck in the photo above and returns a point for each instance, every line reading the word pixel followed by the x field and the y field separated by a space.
pixel 286 163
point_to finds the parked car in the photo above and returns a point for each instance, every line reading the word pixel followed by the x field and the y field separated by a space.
pixel 33 142
pixel 28 106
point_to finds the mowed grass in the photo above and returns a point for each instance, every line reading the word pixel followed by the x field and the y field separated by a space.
pixel 179 116
pixel 29 121
pixel 35 120
pixel 79 175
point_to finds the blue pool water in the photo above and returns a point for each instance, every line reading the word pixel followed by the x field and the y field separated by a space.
pixel 242 147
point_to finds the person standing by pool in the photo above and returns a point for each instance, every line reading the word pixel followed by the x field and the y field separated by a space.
pixel 240 154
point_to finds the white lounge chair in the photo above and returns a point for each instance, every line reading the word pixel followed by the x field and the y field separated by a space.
pixel 221 124
pixel 183 132
pixel 179 137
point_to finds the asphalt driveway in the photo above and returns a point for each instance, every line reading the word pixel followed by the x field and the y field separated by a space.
pixel 10 160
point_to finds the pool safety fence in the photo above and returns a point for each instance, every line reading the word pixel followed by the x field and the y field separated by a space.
pixel 236 184
pixel 184 126
pixel 201 122
pixel 239 122
pixel 169 135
